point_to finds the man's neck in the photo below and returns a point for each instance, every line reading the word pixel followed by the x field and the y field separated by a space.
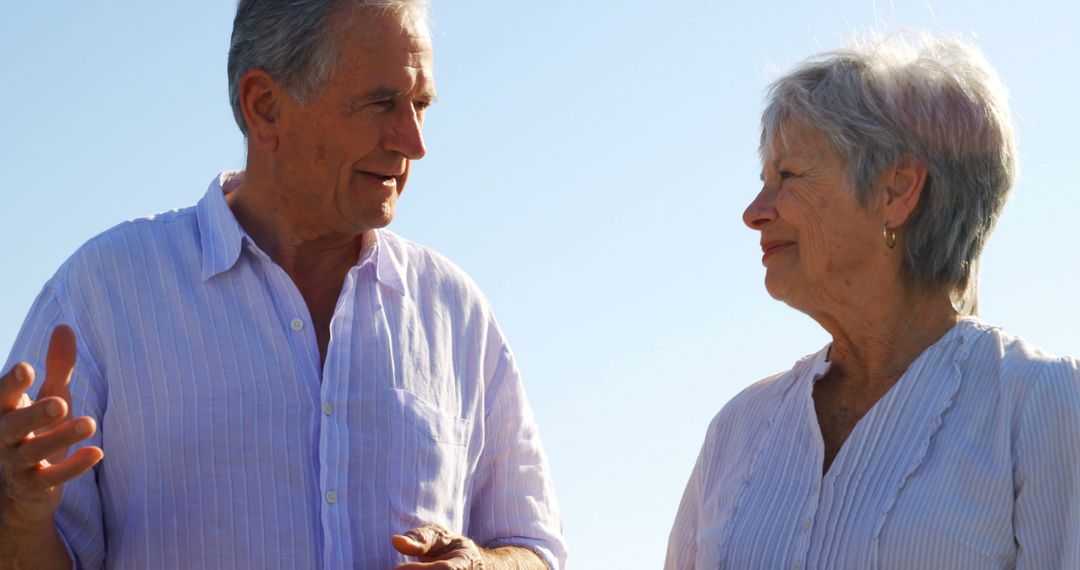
pixel 316 260
pixel 308 254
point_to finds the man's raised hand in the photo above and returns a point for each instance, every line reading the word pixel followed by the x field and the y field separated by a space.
pixel 35 436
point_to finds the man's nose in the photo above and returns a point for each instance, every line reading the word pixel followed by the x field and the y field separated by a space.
pixel 762 210
pixel 406 136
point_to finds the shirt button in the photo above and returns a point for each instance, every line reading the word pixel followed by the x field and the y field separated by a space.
pixel 327 409
pixel 331 497
pixel 807 525
pixel 796 566
pixel 297 325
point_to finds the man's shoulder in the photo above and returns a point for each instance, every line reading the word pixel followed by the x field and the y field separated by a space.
pixel 132 244
pixel 426 269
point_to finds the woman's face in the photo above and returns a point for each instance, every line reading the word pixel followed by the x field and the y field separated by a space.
pixel 820 247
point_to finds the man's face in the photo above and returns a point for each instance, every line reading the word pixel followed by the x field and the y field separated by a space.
pixel 343 158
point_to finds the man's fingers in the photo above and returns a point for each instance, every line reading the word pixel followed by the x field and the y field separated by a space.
pixel 436 549
pixel 14 384
pixel 16 425
pixel 408 546
pixel 458 554
pixel 439 565
pixel 79 462
pixel 30 485
pixel 429 540
pixel 59 364
pixel 54 444
pixel 454 560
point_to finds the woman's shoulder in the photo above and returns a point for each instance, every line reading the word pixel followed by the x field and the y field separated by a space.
pixel 1017 363
pixel 1032 378
pixel 755 405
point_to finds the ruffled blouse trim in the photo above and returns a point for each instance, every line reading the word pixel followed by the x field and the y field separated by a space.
pixel 949 388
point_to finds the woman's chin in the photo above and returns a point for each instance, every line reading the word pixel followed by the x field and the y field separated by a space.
pixel 776 285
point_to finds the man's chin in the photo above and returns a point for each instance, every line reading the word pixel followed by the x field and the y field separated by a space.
pixel 381 219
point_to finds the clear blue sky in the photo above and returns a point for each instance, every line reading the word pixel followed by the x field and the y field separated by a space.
pixel 588 165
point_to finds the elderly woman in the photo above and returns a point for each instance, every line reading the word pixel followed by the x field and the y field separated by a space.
pixel 920 437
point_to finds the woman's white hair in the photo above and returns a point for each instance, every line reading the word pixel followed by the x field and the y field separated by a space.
pixel 934 99
pixel 293 41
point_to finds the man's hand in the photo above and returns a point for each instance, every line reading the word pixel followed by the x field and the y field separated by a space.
pixel 35 438
pixel 439 549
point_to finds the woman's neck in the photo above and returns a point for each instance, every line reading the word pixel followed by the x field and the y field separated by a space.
pixel 873 345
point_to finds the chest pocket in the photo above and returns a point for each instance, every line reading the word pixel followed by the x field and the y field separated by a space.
pixel 429 462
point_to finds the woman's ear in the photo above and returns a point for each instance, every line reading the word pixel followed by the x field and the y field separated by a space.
pixel 903 183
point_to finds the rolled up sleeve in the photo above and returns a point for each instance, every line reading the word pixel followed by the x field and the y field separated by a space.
pixel 514 499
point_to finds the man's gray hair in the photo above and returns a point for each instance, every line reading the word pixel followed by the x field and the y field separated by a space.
pixel 293 41
pixel 933 99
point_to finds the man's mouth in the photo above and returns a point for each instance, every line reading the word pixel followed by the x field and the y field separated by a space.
pixel 384 178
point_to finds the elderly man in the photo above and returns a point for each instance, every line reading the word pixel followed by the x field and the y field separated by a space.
pixel 269 379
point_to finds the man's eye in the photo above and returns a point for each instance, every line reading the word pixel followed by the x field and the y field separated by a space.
pixel 387 105
pixel 784 175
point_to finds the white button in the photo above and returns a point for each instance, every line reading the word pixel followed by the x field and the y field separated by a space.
pixel 297 325
pixel 796 566
pixel 331 497
pixel 327 409
pixel 807 524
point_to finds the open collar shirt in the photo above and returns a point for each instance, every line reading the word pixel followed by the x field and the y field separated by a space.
pixel 226 445
pixel 970 461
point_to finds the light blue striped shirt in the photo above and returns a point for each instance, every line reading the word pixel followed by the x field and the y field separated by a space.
pixel 970 461
pixel 227 447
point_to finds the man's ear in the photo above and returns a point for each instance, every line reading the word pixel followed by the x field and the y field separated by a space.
pixel 260 103
pixel 903 182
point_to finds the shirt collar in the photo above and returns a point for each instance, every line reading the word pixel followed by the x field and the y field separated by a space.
pixel 389 267
pixel 222 238
pixel 219 232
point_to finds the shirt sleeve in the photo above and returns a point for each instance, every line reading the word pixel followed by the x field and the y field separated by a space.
pixel 513 501
pixel 1047 470
pixel 79 518
pixel 682 542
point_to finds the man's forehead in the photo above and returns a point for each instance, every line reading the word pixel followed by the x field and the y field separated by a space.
pixel 377 42
pixel 375 23
pixel 386 35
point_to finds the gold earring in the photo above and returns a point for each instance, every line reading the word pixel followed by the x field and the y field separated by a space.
pixel 889 235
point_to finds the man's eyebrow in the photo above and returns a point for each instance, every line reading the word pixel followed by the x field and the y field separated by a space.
pixel 380 93
pixel 374 95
